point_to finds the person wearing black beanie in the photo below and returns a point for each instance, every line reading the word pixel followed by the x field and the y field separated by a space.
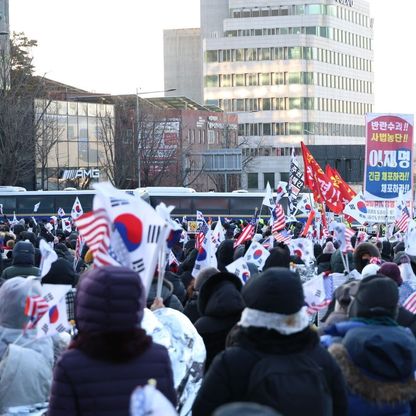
pixel 274 352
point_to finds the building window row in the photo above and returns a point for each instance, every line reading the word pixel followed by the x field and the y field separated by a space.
pixel 338 35
pixel 306 53
pixel 301 129
pixel 269 151
pixel 292 103
pixel 288 78
pixel 304 9
pixel 213 137
pixel 73 108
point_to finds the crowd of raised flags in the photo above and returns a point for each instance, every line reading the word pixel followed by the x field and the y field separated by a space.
pixel 123 230
pixel 126 231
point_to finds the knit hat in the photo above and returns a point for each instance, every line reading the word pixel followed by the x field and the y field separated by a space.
pixel 275 300
pixel 375 296
pixel 109 299
pixel 329 248
pixel 391 270
pixel 370 270
pixel 24 253
pixel 276 290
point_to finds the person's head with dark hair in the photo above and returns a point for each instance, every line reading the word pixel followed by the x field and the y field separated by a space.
pixel 279 257
pixel 225 254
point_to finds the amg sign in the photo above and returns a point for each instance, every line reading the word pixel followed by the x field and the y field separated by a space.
pixel 349 3
pixel 80 174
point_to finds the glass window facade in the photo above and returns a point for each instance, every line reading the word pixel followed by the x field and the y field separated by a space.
pixel 73 141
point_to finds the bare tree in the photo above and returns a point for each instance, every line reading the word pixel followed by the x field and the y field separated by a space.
pixel 18 126
pixel 47 134
pixel 159 148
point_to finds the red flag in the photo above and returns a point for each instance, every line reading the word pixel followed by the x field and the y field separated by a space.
pixel 346 192
pixel 318 182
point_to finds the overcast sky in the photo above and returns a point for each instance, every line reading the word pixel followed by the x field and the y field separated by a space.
pixel 117 46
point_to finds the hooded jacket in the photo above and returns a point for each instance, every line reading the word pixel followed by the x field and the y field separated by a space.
pixel 23 263
pixel 228 377
pixel 61 273
pixel 25 362
pixel 225 254
pixel 360 250
pixel 109 299
pixel 220 304
pixel 378 363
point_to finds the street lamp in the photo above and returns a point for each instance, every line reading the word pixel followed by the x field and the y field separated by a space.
pixel 139 165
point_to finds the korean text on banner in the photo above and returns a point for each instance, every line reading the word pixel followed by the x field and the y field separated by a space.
pixel 388 157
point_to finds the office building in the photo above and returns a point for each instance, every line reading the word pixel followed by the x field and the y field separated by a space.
pixel 293 71
pixel 183 63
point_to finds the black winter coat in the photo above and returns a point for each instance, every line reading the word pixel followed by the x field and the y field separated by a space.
pixel 191 308
pixel 228 377
pixel 220 304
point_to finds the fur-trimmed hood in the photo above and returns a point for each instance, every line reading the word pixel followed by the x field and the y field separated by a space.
pixel 375 391
pixel 360 250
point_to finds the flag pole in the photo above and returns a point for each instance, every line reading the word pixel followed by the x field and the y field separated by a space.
pixel 161 263
pixel 347 262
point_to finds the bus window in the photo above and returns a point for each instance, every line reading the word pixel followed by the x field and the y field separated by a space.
pixel 214 205
pixel 25 204
pixel 9 204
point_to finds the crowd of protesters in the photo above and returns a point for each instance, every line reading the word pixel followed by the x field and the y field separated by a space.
pixel 265 353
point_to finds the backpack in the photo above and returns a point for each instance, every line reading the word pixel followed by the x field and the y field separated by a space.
pixel 292 384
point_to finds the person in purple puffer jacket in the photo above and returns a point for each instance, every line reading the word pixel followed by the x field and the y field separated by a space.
pixel 111 354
